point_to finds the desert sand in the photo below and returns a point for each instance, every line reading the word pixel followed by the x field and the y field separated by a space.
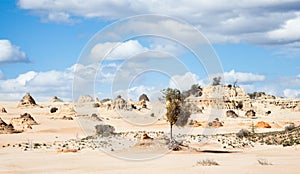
pixel 59 143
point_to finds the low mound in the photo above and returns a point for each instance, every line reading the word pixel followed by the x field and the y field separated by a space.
pixel 231 114
pixel 55 99
pixel 250 113
pixel 85 99
pixel 262 124
pixel 196 124
pixel 146 137
pixel 215 124
pixel 3 110
pixel 26 101
pixel 67 110
pixel 25 121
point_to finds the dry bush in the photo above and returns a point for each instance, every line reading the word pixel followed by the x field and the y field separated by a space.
pixel 207 162
pixel 264 162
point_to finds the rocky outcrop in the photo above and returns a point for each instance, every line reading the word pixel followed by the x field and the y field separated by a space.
pixel 146 137
pixel 25 121
pixel 85 99
pixel 6 128
pixel 231 114
pixel 67 110
pixel 119 103
pixel 262 124
pixel 215 124
pixel 55 99
pixel 144 97
pixel 196 124
pixel 26 101
pixel 250 113
pixel 3 110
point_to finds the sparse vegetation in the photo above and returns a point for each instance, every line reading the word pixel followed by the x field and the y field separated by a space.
pixel 104 130
pixel 207 162
pixel 216 81
pixel 243 133
pixel 289 127
pixel 264 162
pixel 53 110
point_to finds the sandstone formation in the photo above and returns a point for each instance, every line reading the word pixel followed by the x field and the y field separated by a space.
pixel 119 103
pixel 262 124
pixel 6 128
pixel 3 110
pixel 196 124
pixel 26 101
pixel 232 97
pixel 144 97
pixel 231 114
pixel 222 97
pixel 85 99
pixel 67 110
pixel 250 113
pixel 55 99
pixel 146 137
pixel 25 121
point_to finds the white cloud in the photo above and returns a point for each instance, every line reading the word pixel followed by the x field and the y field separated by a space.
pixel 242 78
pixel 23 79
pixel 60 17
pixel 10 53
pixel 116 50
pixel 221 20
pixel 288 32
pixel 184 82
pixel 45 84
pixel 291 93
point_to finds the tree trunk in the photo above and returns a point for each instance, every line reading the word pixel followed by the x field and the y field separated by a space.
pixel 171 132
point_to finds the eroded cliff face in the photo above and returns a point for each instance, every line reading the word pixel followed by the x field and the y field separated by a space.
pixel 228 97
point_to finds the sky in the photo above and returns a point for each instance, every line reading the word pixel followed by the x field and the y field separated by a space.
pixel 103 48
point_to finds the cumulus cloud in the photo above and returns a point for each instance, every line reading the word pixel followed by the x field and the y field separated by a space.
pixel 288 32
pixel 258 21
pixel 10 53
pixel 45 84
pixel 116 50
pixel 184 82
pixel 242 77
pixel 291 93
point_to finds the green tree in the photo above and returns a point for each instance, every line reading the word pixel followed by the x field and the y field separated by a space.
pixel 173 105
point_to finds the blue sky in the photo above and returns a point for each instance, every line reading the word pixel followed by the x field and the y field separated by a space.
pixel 257 42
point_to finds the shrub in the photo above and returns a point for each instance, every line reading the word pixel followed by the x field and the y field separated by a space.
pixel 243 133
pixel 289 127
pixel 53 110
pixel 264 162
pixel 240 105
pixel 207 162
pixel 104 129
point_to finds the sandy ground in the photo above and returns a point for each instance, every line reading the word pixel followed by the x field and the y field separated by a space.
pixel 283 161
pixel 16 160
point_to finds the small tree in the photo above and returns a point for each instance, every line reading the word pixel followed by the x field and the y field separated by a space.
pixel 216 81
pixel 174 105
